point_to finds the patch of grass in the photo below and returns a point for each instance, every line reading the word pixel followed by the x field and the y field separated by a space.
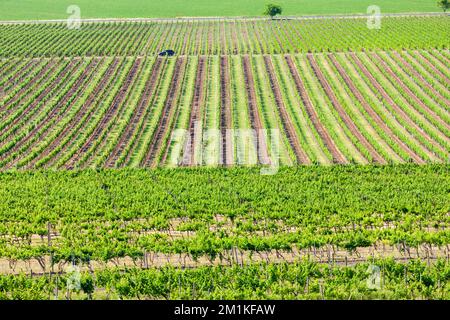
pixel 56 9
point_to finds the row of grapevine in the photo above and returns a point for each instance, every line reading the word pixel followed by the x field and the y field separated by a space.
pixel 195 37
pixel 301 280
pixel 182 216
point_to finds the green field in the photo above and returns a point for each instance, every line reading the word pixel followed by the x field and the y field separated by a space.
pixel 247 236
pixel 56 9
pixel 266 159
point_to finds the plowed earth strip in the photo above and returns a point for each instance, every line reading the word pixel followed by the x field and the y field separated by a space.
pixel 173 118
pixel 285 119
pixel 258 36
pixel 234 39
pixel 371 112
pixel 343 114
pixel 76 119
pixel 321 130
pixel 225 113
pixel 223 40
pixel 167 111
pixel 210 39
pixel 10 67
pixel 109 115
pixel 189 148
pixel 255 118
pixel 137 116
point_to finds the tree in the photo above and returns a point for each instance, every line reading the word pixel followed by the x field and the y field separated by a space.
pixel 273 9
pixel 444 4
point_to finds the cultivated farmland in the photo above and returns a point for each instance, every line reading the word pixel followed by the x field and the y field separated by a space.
pixel 113 157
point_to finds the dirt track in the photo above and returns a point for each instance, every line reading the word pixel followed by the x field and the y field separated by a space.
pixel 291 134
pixel 418 76
pixel 47 92
pixel 412 95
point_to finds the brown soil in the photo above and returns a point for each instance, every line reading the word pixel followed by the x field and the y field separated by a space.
pixel 223 39
pixel 48 91
pixel 122 106
pixel 50 65
pixel 255 117
pixel 418 76
pixel 19 75
pixel 167 111
pixel 234 38
pixel 326 254
pixel 433 67
pixel 225 112
pixel 198 98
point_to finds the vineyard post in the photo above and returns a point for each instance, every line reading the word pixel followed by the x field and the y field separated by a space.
pixel 307 285
pixel 145 260
pixel 448 255
pixel 49 239
pixel 179 285
pixel 406 276
pixel 321 289
pixel 57 288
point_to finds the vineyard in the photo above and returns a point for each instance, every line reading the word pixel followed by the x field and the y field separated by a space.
pixel 221 37
pixel 375 107
pixel 331 217
pixel 145 171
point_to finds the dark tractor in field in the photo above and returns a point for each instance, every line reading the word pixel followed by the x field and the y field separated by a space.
pixel 168 53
